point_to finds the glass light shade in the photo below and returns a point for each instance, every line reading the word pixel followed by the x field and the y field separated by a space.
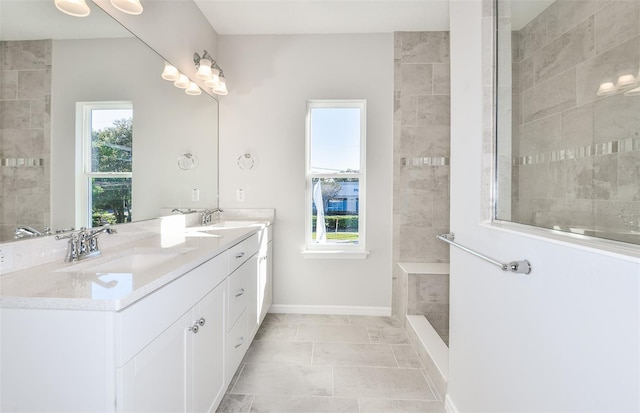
pixel 204 70
pixel 170 73
pixel 213 81
pixel 633 92
pixel 221 88
pixel 77 8
pixel 626 80
pixel 128 6
pixel 193 89
pixel 606 88
pixel 182 82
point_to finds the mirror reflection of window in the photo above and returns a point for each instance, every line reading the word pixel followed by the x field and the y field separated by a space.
pixel 106 178
pixel 568 127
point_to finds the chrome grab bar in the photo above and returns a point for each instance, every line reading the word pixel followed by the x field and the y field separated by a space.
pixel 520 267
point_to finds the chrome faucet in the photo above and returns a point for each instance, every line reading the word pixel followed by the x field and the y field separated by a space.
pixel 84 243
pixel 207 215
pixel 22 232
pixel 182 211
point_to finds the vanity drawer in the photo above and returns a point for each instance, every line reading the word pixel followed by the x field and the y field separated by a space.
pixel 237 345
pixel 242 251
pixel 238 294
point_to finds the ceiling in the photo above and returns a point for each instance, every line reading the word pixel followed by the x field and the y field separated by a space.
pixel 239 17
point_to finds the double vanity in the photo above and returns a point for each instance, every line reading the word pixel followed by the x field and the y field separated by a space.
pixel 159 323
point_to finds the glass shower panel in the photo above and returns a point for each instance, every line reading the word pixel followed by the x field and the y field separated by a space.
pixel 568 116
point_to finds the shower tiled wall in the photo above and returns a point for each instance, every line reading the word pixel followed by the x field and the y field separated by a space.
pixel 421 144
pixel 25 98
pixel 576 154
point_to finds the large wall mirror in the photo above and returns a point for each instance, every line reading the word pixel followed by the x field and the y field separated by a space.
pixel 568 98
pixel 84 115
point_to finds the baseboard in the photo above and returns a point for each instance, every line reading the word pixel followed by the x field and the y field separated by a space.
pixel 330 309
pixel 449 406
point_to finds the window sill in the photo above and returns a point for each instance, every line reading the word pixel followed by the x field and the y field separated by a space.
pixel 334 255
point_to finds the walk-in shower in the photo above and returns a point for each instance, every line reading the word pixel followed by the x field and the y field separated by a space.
pixel 568 116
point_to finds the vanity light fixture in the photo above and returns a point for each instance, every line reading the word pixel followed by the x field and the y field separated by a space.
pixel 210 72
pixel 128 6
pixel 76 8
pixel 625 80
pixel 170 72
pixel 633 92
pixel 606 88
pixel 193 89
pixel 221 88
pixel 182 82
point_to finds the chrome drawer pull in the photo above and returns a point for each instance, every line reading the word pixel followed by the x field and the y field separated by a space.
pixel 240 343
pixel 201 321
pixel 194 328
pixel 240 255
pixel 240 292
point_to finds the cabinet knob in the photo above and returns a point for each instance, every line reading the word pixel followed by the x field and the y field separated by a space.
pixel 240 255
pixel 201 321
pixel 194 328
pixel 240 292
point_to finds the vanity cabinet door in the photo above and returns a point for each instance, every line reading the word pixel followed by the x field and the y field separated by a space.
pixel 266 280
pixel 155 380
pixel 207 355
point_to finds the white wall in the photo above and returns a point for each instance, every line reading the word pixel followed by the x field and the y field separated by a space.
pixel 564 338
pixel 270 80
pixel 167 123
pixel 175 29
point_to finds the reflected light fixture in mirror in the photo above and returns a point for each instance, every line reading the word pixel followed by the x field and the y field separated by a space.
pixel 170 72
pixel 182 82
pixel 193 89
pixel 128 6
pixel 76 8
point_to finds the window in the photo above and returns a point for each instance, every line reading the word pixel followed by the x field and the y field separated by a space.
pixel 335 175
pixel 104 148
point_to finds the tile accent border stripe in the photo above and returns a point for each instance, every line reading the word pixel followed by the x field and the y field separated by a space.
pixel 426 161
pixel 16 162
pixel 604 148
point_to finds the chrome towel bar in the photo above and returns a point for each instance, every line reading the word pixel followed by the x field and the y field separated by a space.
pixel 521 267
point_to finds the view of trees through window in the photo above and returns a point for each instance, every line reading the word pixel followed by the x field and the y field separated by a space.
pixel 111 166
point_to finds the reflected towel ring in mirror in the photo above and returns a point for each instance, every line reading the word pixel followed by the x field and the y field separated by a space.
pixel 187 162
pixel 246 161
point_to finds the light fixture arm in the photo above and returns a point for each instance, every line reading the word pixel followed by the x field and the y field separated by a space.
pixel 205 55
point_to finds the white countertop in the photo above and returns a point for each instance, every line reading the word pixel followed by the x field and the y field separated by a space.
pixel 90 285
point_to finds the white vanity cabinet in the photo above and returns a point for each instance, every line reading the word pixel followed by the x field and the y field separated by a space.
pixel 182 369
pixel 174 350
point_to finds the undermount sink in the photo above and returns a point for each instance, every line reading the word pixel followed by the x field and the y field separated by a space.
pixel 231 224
pixel 129 263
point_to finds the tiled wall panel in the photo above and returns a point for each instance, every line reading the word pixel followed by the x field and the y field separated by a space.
pixel 25 103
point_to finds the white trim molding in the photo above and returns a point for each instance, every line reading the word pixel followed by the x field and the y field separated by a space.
pixel 449 406
pixel 330 309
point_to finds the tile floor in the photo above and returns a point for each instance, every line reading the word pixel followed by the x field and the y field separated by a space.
pixel 304 363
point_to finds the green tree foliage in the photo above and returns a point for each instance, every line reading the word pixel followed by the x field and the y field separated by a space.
pixel 111 152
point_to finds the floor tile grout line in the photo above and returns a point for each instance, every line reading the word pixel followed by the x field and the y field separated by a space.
pixel 394 355
pixel 237 378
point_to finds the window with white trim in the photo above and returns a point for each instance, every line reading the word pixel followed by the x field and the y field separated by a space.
pixel 105 163
pixel 335 175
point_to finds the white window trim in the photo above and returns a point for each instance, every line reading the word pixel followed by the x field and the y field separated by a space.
pixel 83 158
pixel 336 251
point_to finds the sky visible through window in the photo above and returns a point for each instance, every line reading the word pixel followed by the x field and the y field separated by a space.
pixel 103 118
pixel 335 140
